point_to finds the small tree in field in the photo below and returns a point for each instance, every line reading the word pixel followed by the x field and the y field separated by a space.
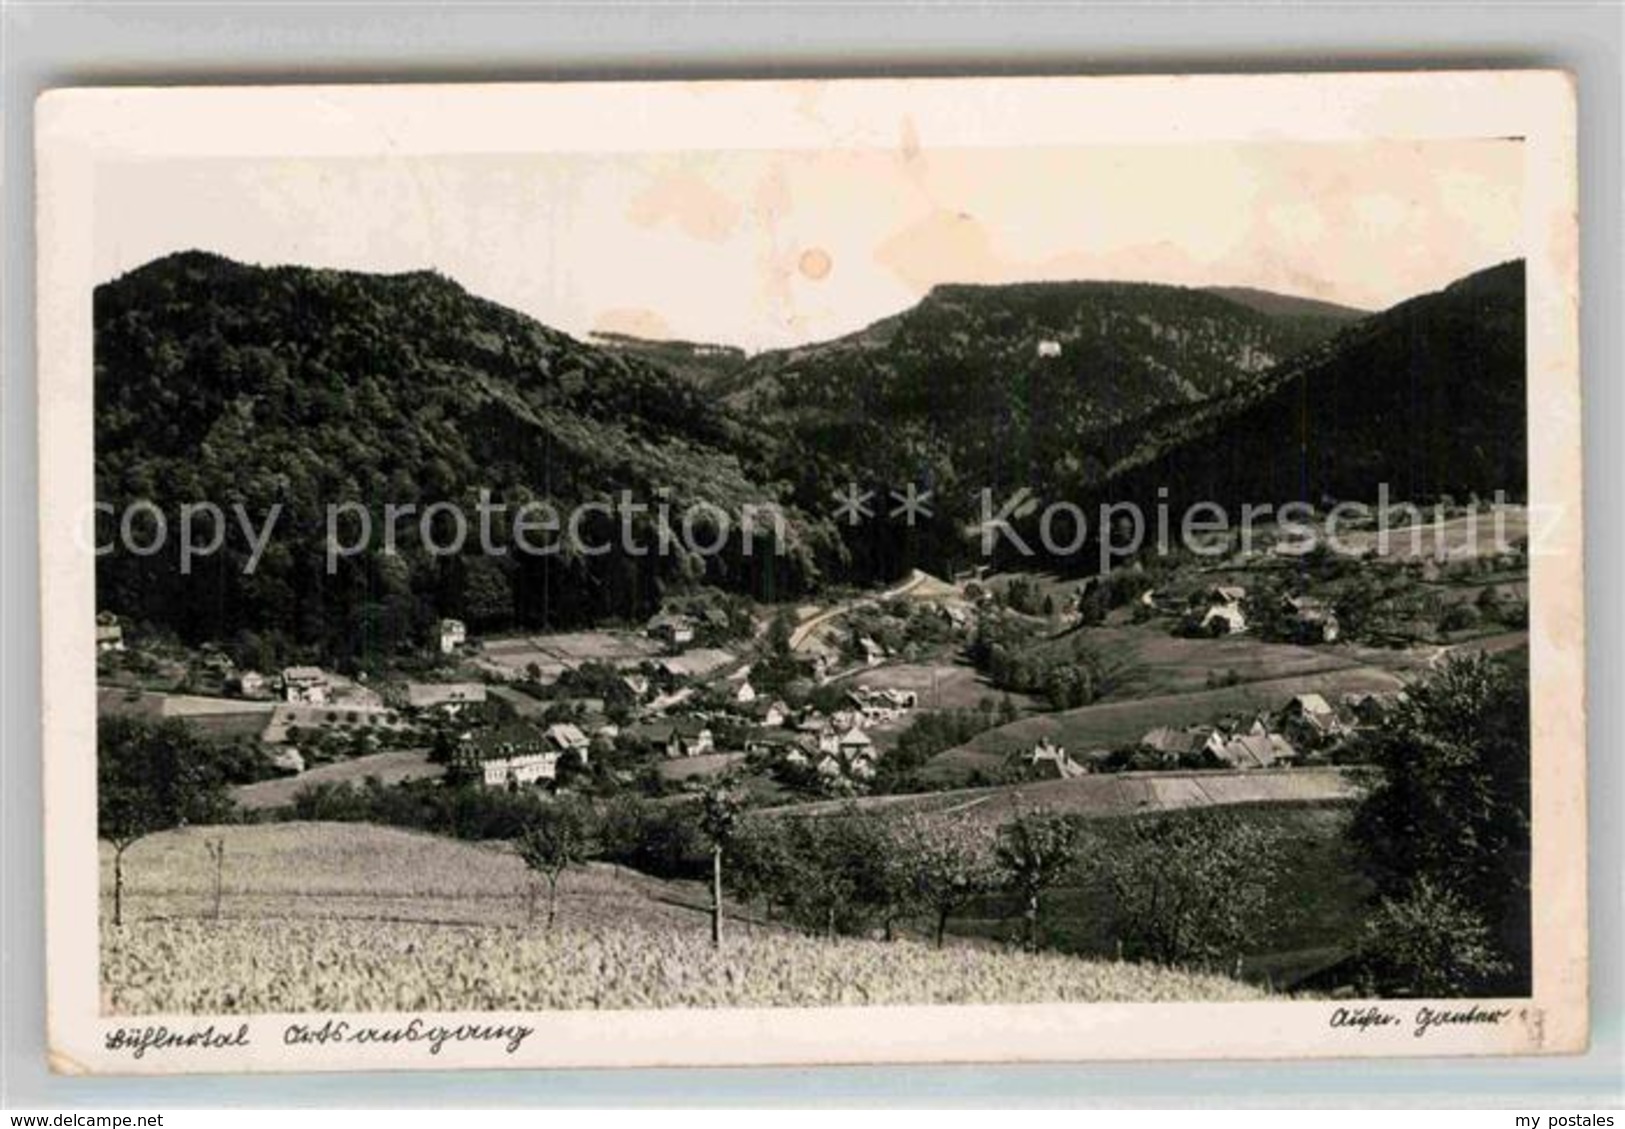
pixel 558 836
pixel 719 812
pixel 151 776
pixel 948 861
pixel 1189 889
pixel 1035 851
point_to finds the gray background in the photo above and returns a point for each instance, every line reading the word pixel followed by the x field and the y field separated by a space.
pixel 46 45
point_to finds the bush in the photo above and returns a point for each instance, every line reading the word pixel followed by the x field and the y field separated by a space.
pixel 1428 943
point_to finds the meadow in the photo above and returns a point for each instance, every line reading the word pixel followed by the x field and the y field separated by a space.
pixel 327 917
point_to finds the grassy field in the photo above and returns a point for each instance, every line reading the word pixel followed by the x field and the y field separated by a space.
pixel 389 768
pixel 1111 724
pixel 355 917
pixel 1110 794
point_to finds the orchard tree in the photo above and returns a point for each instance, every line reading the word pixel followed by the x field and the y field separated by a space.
pixel 557 836
pixel 1190 889
pixel 949 861
pixel 1035 851
pixel 152 775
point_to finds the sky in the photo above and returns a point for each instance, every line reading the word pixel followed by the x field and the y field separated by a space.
pixel 765 248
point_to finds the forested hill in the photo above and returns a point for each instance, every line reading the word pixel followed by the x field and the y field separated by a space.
pixel 1002 387
pixel 231 383
pixel 1427 397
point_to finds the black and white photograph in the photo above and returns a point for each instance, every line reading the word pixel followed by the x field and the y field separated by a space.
pixel 775 554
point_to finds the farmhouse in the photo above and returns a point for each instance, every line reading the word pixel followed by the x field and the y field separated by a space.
pixel 855 745
pixel 567 738
pixel 637 685
pixel 770 714
pixel 1049 761
pixel 448 697
pixel 1311 619
pixel 251 684
pixel 307 684
pixel 1257 751
pixel 746 694
pixel 878 705
pixel 681 737
pixel 1172 746
pixel 873 653
pixel 1048 348
pixel 776 742
pixel 109 633
pixel 1309 720
pixel 453 634
pixel 1223 619
pixel 674 630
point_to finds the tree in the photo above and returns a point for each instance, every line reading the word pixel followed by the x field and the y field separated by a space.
pixel 1035 851
pixel 1449 800
pixel 1189 889
pixel 1428 943
pixel 558 836
pixel 152 775
pixel 948 861
pixel 719 811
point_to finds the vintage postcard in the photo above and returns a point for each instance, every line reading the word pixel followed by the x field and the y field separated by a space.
pixel 811 572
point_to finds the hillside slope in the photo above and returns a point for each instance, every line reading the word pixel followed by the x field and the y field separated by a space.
pixel 310 388
pixel 1427 398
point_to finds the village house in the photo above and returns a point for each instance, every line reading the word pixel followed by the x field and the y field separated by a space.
pixel 567 738
pixel 1311 619
pixel 1217 610
pixel 746 694
pixel 777 743
pixel 673 630
pixel 109 633
pixel 1049 348
pixel 1048 761
pixel 1308 720
pixel 855 745
pixel 678 737
pixel 1251 750
pixel 447 697
pixel 307 684
pixel 1176 746
pixel 251 684
pixel 873 653
pixel 772 714
pixel 453 634
pixel 637 685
